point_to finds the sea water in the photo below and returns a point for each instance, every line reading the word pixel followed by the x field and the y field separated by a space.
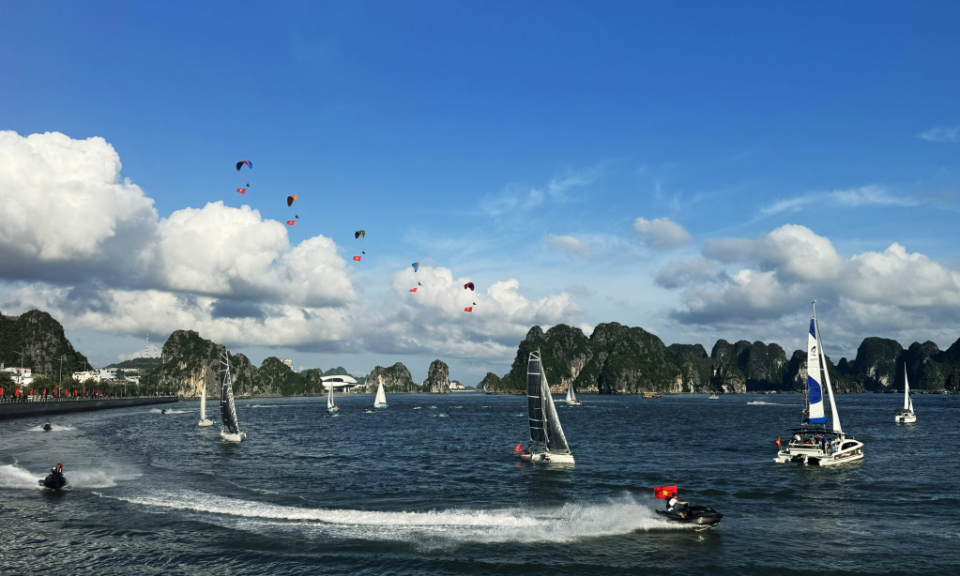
pixel 403 491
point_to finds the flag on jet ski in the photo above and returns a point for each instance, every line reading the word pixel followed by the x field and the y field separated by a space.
pixel 664 492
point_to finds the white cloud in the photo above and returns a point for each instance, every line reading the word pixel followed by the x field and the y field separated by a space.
pixel 687 271
pixel 941 134
pixel 569 245
pixel 661 233
pixel 871 195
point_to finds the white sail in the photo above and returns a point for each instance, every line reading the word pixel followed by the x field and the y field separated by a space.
pixel 826 375
pixel 203 402
pixel 556 440
pixel 571 395
pixel 907 404
pixel 814 389
pixel 330 403
pixel 381 399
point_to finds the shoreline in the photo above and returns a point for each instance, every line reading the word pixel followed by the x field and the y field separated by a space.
pixel 10 410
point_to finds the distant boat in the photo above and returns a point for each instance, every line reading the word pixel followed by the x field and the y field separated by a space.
pixel 203 406
pixel 651 394
pixel 548 443
pixel 572 399
pixel 713 397
pixel 228 410
pixel 331 405
pixel 906 415
pixel 813 443
pixel 381 400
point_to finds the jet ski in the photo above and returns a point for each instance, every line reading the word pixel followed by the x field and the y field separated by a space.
pixel 703 517
pixel 55 480
pixel 164 411
pixel 47 427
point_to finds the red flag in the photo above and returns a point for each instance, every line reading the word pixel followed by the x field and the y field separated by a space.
pixel 291 222
pixel 518 448
pixel 413 289
pixel 356 258
pixel 44 391
pixel 31 391
pixel 468 309
pixel 664 492
pixel 778 441
pixel 1 391
pixel 241 190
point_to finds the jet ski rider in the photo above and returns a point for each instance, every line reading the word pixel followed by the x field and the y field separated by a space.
pixel 673 501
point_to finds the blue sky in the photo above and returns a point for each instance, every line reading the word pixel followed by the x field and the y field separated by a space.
pixel 470 136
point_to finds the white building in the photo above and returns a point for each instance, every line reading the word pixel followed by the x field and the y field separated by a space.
pixel 88 375
pixel 22 376
pixel 340 383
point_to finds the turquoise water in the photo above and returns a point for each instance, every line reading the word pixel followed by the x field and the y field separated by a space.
pixel 436 490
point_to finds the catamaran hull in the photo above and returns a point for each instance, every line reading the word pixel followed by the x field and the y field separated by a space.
pixel 205 422
pixel 572 402
pixel 547 458
pixel 905 418
pixel 849 454
pixel 232 437
pixel 380 406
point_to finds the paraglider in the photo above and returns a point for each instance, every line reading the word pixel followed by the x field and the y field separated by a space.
pixel 241 190
pixel 356 258
pixel 242 162
pixel 291 222
pixel 468 285
pixel 416 266
pixel 360 234
pixel 291 199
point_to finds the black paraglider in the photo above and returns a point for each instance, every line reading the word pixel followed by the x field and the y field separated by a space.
pixel 241 163
pixel 360 234
pixel 291 199
pixel 468 286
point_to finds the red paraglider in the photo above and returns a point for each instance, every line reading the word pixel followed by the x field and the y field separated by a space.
pixel 242 162
pixel 468 285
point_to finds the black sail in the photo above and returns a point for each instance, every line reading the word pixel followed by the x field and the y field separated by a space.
pixel 228 411
pixel 534 399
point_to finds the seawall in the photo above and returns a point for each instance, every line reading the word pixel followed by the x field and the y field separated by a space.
pixel 30 409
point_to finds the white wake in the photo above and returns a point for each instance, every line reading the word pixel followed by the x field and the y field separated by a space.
pixel 566 523
pixel 13 476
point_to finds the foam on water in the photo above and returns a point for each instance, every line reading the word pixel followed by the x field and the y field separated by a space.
pixel 169 411
pixel 763 403
pixel 53 428
pixel 567 523
pixel 14 476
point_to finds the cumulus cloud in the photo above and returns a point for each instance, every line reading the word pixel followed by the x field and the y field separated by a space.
pixel 88 246
pixel 661 233
pixel 941 134
pixel 778 274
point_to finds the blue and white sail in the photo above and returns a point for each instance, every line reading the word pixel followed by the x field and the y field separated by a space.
pixel 814 388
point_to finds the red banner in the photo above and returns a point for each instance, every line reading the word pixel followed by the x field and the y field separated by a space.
pixel 291 222
pixel 356 258
pixel 413 289
pixel 664 492
pixel 241 190
pixel 468 309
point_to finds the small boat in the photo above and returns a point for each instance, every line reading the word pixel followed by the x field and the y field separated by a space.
pixel 713 397
pixel 703 517
pixel 548 443
pixel 652 394
pixel 572 399
pixel 204 421
pixel 813 442
pixel 381 400
pixel 228 410
pixel 55 480
pixel 164 411
pixel 47 427
pixel 331 405
pixel 906 415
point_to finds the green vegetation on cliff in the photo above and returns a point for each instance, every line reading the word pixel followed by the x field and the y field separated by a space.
pixel 42 339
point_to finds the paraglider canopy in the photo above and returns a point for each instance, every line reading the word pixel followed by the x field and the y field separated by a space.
pixel 242 162
pixel 360 234
pixel 416 266
pixel 291 199
pixel 468 285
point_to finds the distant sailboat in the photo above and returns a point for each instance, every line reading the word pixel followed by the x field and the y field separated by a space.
pixel 203 405
pixel 813 442
pixel 228 410
pixel 331 405
pixel 381 399
pixel 906 415
pixel 572 399
pixel 548 443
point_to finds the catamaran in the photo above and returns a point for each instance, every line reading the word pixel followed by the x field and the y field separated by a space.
pixel 381 400
pixel 228 410
pixel 331 405
pixel 572 399
pixel 548 444
pixel 905 415
pixel 204 421
pixel 813 442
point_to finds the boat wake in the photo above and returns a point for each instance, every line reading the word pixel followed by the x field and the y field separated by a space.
pixel 13 476
pixel 168 411
pixel 566 523
pixel 763 403
pixel 53 428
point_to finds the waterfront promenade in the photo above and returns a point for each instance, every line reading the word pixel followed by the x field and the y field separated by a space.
pixel 27 409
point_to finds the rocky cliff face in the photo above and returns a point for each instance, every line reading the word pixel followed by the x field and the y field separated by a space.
pixel 43 340
pixel 396 379
pixel 190 363
pixel 438 378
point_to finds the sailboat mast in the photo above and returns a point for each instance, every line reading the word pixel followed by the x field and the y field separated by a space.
pixel 826 374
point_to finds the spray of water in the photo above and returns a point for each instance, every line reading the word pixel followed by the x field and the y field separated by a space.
pixel 14 476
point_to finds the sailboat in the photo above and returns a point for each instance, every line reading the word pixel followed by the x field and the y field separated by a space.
pixel 572 399
pixel 331 405
pixel 548 444
pixel 228 410
pixel 204 421
pixel 381 400
pixel 905 415
pixel 813 442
